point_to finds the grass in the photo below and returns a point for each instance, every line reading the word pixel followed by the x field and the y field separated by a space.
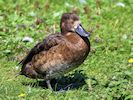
pixel 108 73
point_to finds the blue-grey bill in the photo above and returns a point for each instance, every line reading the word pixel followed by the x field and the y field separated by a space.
pixel 80 30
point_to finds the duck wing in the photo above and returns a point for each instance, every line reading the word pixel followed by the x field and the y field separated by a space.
pixel 46 44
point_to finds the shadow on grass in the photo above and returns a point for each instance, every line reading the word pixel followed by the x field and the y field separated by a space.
pixel 73 81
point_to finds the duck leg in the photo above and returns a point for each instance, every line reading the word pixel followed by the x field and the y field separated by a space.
pixel 49 85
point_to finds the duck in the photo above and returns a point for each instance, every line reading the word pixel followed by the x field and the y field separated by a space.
pixel 58 53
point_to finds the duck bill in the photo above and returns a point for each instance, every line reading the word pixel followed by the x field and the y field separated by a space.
pixel 81 31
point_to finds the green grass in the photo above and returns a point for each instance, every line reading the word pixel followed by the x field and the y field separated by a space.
pixel 109 74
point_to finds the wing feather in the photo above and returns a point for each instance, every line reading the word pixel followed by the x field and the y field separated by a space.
pixel 46 44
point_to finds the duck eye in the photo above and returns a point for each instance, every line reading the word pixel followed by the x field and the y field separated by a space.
pixel 72 22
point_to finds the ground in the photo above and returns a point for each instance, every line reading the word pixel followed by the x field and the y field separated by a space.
pixel 106 74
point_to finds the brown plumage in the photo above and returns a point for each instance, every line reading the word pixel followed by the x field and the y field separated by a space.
pixel 58 53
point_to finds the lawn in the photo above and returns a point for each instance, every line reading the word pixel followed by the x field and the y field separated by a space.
pixel 106 74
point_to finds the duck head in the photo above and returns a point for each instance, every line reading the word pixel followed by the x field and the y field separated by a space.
pixel 70 22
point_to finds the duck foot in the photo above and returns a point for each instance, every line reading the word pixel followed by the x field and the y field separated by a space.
pixel 66 88
pixel 49 85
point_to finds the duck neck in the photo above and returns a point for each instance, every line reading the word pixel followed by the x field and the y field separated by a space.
pixel 72 37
